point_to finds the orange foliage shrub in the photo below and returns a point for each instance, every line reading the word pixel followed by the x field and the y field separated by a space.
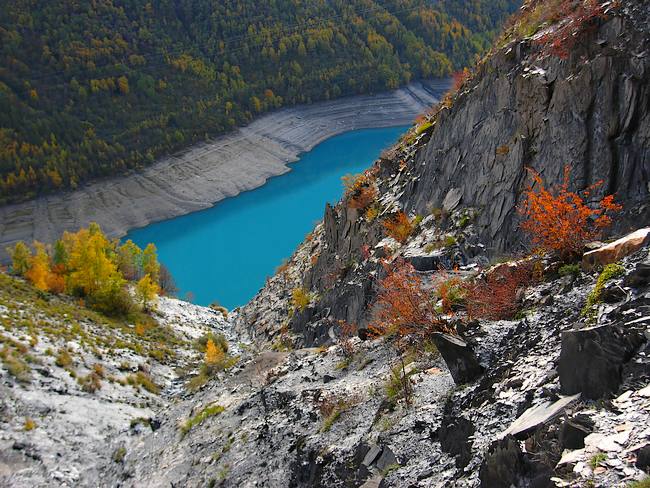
pixel 561 221
pixel 404 307
pixel 399 227
pixel 360 190
pixel 460 77
pixel 574 17
pixel 495 296
pixel 450 290
pixel 214 355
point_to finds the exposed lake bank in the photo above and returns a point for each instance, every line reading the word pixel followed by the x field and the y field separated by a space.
pixel 207 173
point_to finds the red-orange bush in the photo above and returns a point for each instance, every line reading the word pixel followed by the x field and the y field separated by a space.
pixel 360 190
pixel 460 77
pixel 495 296
pixel 561 221
pixel 404 306
pixel 573 18
pixel 399 227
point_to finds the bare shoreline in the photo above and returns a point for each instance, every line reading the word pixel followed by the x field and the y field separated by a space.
pixel 207 173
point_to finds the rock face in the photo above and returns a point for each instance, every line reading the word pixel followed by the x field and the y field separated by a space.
pixel 589 112
pixel 591 361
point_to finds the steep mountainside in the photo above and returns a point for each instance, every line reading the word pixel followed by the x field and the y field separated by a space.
pixel 522 108
pixel 95 89
pixel 533 372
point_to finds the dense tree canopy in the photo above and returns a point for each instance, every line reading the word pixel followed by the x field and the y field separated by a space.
pixel 95 88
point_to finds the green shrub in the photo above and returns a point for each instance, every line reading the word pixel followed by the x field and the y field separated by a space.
pixel 569 270
pixel 610 272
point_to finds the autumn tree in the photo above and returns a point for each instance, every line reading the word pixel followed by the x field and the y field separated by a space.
pixel 39 268
pixel 561 221
pixel 150 264
pixel 128 260
pixel 404 307
pixel 20 257
pixel 146 290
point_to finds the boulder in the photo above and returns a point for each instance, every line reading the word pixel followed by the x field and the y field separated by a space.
pixel 639 277
pixel 591 360
pixel 616 250
pixel 460 359
pixel 643 457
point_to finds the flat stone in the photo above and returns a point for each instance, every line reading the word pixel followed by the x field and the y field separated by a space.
pixel 452 199
pixel 372 454
pixel 536 416
pixel 616 250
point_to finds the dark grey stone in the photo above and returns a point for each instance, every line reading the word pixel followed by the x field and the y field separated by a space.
pixel 459 357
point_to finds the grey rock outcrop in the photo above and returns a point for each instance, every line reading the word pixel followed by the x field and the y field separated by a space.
pixel 590 112
pixel 591 361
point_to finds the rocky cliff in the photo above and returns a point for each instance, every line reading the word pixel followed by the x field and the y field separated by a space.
pixel 522 108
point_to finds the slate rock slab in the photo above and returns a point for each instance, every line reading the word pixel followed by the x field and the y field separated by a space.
pixel 592 359
pixel 460 359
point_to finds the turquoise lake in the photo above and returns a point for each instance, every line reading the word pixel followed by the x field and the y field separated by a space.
pixel 225 253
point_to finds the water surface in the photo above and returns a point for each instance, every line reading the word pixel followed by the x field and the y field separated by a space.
pixel 225 253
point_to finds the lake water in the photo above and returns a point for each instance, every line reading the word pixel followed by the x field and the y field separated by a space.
pixel 225 253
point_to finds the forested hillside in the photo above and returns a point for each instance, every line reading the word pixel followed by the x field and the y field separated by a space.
pixel 91 89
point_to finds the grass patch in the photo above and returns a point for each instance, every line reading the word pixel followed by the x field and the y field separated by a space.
pixel 200 417
pixel 644 483
pixel 15 366
pixel 596 459
pixel 29 424
pixel 119 454
pixel 142 379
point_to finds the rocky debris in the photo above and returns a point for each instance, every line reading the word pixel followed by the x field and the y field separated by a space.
pixel 591 359
pixel 616 250
pixel 459 357
pixel 73 421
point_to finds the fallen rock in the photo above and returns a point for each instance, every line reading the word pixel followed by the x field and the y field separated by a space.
pixel 616 250
pixel 460 359
pixel 591 360
pixel 574 430
pixel 643 457
pixel 639 277
pixel 536 416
